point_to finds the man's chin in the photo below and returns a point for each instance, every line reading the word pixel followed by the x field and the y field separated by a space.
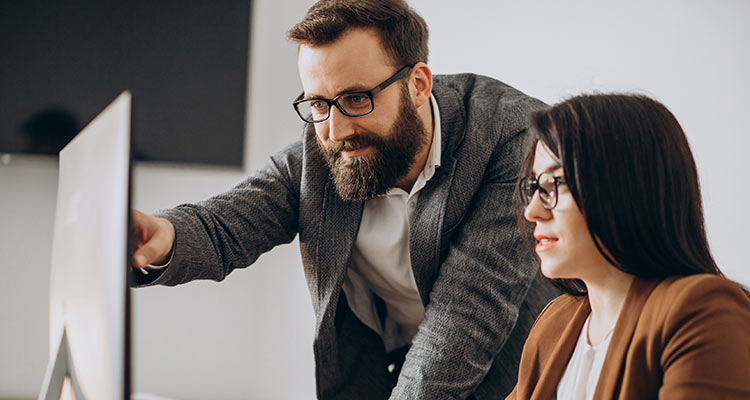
pixel 351 191
pixel 355 181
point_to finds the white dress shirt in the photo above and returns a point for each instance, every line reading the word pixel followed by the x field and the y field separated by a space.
pixel 381 263
pixel 582 373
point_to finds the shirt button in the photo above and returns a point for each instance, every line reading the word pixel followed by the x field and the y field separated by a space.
pixel 412 204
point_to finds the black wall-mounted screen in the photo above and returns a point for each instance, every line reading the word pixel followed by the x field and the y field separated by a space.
pixel 185 62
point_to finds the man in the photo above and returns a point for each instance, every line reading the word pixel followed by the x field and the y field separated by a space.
pixel 401 193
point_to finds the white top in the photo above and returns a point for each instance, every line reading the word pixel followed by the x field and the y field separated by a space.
pixel 579 380
pixel 381 261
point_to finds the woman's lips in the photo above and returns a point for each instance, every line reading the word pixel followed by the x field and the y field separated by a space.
pixel 544 243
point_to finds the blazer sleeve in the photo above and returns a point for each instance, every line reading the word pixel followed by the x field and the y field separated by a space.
pixel 233 229
pixel 474 303
pixel 707 342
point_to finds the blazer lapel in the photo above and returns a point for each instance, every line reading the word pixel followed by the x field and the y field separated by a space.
pixel 610 377
pixel 426 229
pixel 426 224
pixel 340 224
pixel 550 375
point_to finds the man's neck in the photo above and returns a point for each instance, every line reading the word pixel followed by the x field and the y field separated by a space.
pixel 408 180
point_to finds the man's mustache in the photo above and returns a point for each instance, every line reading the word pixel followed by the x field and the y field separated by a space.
pixel 355 142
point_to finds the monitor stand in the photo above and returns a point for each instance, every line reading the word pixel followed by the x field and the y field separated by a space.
pixel 60 372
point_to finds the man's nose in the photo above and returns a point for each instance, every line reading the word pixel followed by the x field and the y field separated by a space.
pixel 339 125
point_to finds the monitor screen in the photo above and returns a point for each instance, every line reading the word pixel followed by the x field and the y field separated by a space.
pixel 89 293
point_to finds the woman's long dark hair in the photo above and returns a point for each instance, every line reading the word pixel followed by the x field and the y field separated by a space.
pixel 629 168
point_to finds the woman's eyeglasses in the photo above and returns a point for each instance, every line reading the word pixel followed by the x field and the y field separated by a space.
pixel 546 184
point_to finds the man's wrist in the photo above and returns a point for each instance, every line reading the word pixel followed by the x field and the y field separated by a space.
pixel 163 264
pixel 159 265
pixel 167 227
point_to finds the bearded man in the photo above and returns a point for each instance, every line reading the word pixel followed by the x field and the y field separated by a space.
pixel 401 190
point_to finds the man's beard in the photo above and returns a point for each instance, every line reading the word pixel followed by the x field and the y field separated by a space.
pixel 365 177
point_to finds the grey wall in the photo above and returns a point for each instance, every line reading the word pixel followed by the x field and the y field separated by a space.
pixel 250 336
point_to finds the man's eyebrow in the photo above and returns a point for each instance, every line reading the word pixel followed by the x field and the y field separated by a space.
pixel 348 89
pixel 354 88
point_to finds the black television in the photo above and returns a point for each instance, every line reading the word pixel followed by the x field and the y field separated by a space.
pixel 185 61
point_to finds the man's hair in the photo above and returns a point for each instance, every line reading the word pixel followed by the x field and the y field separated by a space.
pixel 629 167
pixel 403 33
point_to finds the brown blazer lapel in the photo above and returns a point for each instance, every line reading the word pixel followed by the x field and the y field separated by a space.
pixel 613 369
pixel 560 355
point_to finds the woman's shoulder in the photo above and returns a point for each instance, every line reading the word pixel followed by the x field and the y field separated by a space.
pixel 694 287
pixel 677 297
pixel 697 323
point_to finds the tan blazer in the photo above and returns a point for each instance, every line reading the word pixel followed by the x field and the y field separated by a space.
pixel 679 338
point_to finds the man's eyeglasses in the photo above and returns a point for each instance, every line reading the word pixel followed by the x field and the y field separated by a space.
pixel 546 184
pixel 352 104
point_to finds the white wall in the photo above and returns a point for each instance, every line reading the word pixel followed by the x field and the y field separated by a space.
pixel 250 336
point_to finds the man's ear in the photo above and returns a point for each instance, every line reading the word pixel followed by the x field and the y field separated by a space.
pixel 421 80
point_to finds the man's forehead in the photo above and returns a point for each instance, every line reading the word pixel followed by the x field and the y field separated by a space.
pixel 330 70
pixel 356 60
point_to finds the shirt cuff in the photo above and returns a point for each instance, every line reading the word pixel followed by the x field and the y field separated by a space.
pixel 148 267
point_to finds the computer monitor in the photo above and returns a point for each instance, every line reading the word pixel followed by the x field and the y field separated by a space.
pixel 89 324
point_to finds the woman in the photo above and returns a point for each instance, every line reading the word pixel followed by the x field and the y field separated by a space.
pixel 611 188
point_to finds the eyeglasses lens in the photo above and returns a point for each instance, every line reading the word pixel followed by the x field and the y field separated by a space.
pixel 353 105
pixel 318 109
pixel 546 186
pixel 547 189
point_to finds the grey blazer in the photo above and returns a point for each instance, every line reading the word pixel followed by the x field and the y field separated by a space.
pixel 476 276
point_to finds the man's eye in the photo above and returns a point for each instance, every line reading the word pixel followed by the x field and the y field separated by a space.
pixel 356 102
pixel 318 105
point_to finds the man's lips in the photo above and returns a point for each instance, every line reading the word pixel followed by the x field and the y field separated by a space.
pixel 544 243
pixel 355 152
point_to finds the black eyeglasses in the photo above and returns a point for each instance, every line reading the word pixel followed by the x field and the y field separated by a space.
pixel 546 184
pixel 352 104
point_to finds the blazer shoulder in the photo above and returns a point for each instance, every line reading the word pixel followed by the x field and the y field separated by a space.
pixel 480 110
pixel 678 299
pixel 696 288
pixel 485 94
pixel 287 162
pixel 475 84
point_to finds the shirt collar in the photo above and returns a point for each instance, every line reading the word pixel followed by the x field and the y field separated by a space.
pixel 433 157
